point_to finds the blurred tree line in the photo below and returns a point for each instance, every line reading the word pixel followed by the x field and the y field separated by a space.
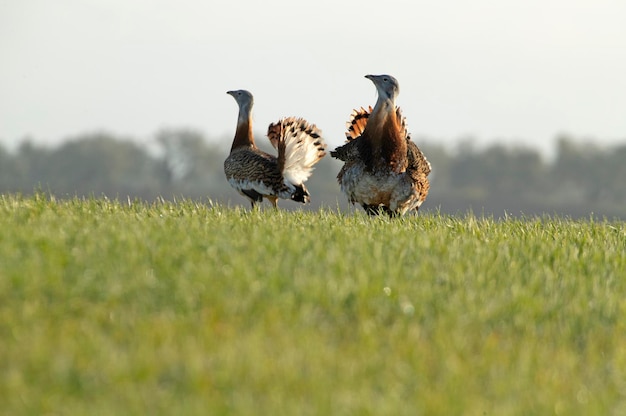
pixel 582 179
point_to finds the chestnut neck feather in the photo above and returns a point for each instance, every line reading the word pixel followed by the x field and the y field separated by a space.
pixel 383 144
pixel 243 134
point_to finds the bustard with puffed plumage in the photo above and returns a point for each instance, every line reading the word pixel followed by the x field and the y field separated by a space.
pixel 384 170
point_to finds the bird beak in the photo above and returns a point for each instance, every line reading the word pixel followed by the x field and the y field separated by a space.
pixel 370 77
pixel 230 92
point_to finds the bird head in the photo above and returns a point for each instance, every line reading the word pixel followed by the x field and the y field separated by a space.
pixel 244 99
pixel 386 85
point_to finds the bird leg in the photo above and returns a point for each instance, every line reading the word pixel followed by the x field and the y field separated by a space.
pixel 273 200
pixel 253 196
pixel 371 210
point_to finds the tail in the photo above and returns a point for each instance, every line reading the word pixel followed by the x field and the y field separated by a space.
pixel 356 126
pixel 301 194
pixel 358 121
pixel 300 146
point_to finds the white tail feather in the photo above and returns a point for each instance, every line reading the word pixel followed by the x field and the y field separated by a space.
pixel 303 148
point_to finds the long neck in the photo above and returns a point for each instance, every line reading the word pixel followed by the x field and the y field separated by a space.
pixel 384 142
pixel 243 134
pixel 383 109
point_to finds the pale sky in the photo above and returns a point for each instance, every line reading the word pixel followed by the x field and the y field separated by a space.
pixel 519 72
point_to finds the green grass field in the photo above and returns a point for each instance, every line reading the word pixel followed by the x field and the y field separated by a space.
pixel 111 308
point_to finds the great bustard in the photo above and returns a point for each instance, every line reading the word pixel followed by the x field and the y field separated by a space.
pixel 257 174
pixel 384 170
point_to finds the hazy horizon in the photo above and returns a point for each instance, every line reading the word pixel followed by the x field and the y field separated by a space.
pixel 518 72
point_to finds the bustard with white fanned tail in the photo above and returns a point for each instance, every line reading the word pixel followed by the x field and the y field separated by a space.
pixel 256 174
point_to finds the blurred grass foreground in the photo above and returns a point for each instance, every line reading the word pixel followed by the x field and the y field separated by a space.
pixel 110 307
